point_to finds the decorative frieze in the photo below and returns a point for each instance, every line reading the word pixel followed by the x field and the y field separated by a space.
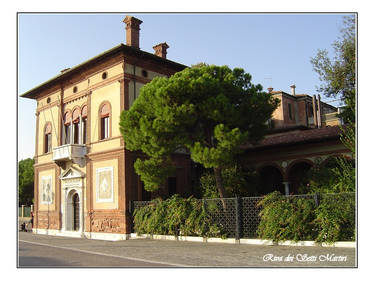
pixel 108 224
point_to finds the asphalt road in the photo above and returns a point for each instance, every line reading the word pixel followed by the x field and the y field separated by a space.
pixel 36 255
pixel 52 251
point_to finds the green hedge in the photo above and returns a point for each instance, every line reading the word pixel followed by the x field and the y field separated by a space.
pixel 286 218
pixel 176 216
pixel 335 218
pixel 298 218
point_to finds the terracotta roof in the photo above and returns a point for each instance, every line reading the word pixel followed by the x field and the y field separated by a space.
pixel 304 136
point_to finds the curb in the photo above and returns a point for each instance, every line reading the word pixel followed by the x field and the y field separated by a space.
pixel 341 244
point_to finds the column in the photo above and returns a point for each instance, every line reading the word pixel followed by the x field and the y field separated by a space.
pixel 286 188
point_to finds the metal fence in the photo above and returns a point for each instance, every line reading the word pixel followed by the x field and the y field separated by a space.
pixel 240 217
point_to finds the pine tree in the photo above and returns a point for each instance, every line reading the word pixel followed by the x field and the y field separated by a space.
pixel 208 110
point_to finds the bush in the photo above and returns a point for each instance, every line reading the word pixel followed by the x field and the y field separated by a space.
pixel 176 216
pixel 295 218
pixel 336 175
pixel 335 218
pixel 286 218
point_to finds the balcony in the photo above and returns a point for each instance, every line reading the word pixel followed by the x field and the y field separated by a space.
pixel 70 152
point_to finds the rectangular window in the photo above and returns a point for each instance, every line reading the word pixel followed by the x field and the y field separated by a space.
pixel 290 111
pixel 105 128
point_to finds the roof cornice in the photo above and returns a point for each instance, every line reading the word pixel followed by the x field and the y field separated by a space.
pixel 126 50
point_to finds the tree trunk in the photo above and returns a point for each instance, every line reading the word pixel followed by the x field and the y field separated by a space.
pixel 220 187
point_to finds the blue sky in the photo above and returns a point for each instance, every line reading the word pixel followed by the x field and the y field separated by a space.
pixel 274 48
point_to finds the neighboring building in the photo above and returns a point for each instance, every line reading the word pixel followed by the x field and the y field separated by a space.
pixel 84 176
pixel 302 110
pixel 303 131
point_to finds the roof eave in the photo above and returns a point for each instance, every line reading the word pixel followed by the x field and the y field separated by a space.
pixel 29 94
pixel 121 47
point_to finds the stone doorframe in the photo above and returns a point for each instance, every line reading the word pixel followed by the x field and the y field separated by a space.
pixel 72 183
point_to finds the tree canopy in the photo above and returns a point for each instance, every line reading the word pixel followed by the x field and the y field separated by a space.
pixel 208 110
pixel 26 181
pixel 339 73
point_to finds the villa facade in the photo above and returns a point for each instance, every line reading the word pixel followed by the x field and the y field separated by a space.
pixel 84 176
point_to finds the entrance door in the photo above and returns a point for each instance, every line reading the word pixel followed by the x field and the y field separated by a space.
pixel 75 212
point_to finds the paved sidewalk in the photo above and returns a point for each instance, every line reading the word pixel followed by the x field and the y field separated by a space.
pixel 197 254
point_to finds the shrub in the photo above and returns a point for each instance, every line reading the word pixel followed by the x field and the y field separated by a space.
pixel 336 175
pixel 176 216
pixel 295 218
pixel 335 218
pixel 286 218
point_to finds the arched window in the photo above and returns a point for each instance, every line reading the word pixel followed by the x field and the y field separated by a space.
pixel 84 124
pixel 48 138
pixel 104 116
pixel 76 114
pixel 67 123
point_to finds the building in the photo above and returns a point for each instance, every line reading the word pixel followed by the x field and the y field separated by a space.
pixel 302 110
pixel 303 131
pixel 84 176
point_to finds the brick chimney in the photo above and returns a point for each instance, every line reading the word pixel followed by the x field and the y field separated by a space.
pixel 270 89
pixel 132 31
pixel 160 50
